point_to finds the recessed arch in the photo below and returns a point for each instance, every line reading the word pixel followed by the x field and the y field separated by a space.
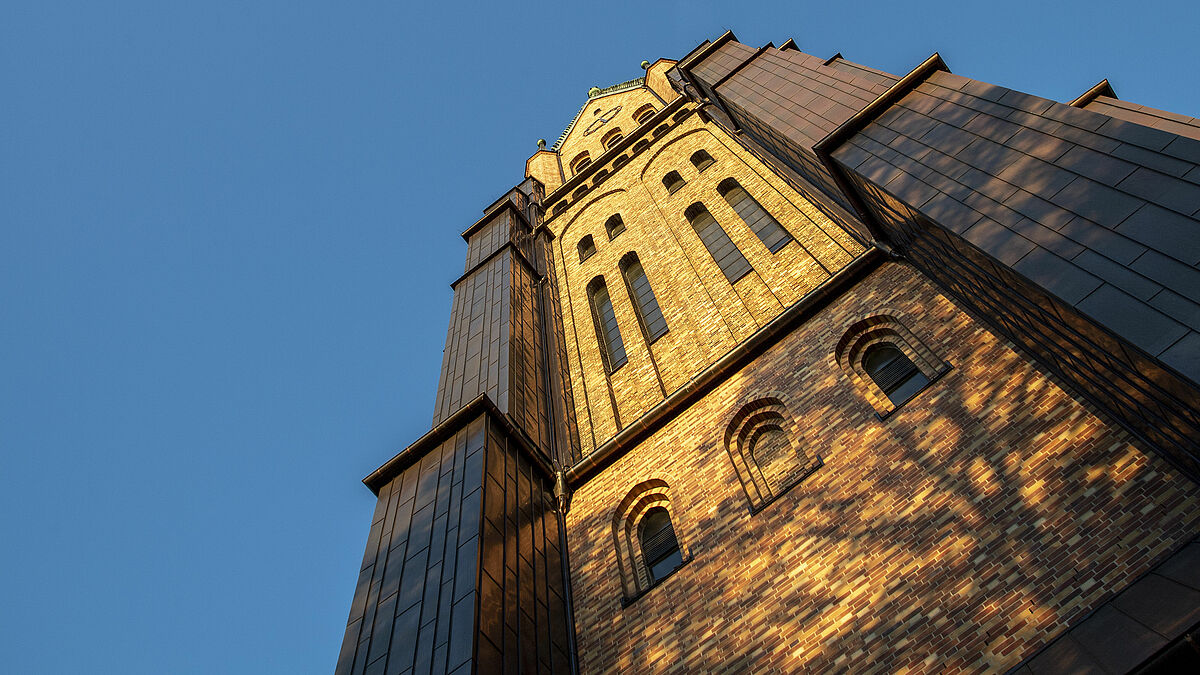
pixel 886 361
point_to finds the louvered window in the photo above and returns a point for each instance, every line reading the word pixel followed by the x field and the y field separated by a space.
pixel 729 258
pixel 660 548
pixel 649 313
pixel 755 216
pixel 893 372
pixel 611 346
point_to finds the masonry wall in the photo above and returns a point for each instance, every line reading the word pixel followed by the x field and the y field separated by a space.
pixel 961 533
pixel 705 314
pixel 1086 223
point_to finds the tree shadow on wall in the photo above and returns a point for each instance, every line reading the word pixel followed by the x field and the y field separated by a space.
pixel 965 530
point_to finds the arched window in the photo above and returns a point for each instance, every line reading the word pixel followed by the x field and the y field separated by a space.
pixel 754 215
pixel 650 315
pixel 587 247
pixel 583 190
pixel 614 226
pixel 893 372
pixel 673 181
pixel 612 138
pixel 660 548
pixel 643 113
pixel 612 348
pixel 728 257
pixel 648 545
pixel 580 162
pixel 640 146
pixel 701 160
pixel 887 362
pixel 765 447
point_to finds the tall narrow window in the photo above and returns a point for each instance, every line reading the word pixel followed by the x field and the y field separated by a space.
pixel 587 247
pixel 729 258
pixel 607 331
pixel 672 181
pixel 649 313
pixel 660 548
pixel 614 226
pixel 755 216
pixel 893 372
pixel 701 160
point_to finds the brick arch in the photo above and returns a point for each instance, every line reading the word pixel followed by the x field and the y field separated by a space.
pixel 628 515
pixel 879 328
pixel 663 148
pixel 586 208
pixel 764 478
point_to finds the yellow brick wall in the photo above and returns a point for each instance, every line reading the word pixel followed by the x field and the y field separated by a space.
pixel 705 315
pixel 957 535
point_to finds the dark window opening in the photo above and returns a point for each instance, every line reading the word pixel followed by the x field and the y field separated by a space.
pixel 649 313
pixel 673 181
pixel 612 138
pixel 660 548
pixel 893 372
pixel 727 255
pixel 612 348
pixel 640 145
pixel 580 162
pixel 587 247
pixel 702 160
pixel 614 226
pixel 754 215
pixel 643 113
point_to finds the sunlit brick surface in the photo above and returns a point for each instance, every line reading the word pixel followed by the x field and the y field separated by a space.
pixel 960 534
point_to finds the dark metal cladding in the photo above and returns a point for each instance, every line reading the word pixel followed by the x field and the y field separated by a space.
pixel 463 568
pixel 1073 232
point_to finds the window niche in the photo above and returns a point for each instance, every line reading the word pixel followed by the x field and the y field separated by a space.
pixel 614 226
pixel 766 449
pixel 722 249
pixel 645 305
pixel 887 363
pixel 587 247
pixel 580 162
pixel 673 181
pixel 762 224
pixel 644 113
pixel 645 532
pixel 612 138
pixel 702 160
pixel 608 333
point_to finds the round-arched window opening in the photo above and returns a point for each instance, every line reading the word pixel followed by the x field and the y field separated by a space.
pixel 893 372
pixel 660 548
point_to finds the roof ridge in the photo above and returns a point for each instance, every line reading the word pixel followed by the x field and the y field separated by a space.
pixel 597 93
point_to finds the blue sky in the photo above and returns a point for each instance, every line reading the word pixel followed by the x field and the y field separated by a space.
pixel 227 232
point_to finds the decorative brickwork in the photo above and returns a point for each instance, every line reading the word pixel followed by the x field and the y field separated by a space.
pixel 974 524
pixel 738 342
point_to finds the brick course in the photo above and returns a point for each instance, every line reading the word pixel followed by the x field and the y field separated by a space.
pixel 960 534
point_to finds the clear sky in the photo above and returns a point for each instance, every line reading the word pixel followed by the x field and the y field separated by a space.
pixel 227 232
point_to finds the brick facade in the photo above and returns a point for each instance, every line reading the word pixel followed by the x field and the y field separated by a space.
pixel 1032 505
pixel 959 534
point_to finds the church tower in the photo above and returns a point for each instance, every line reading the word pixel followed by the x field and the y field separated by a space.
pixel 780 362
